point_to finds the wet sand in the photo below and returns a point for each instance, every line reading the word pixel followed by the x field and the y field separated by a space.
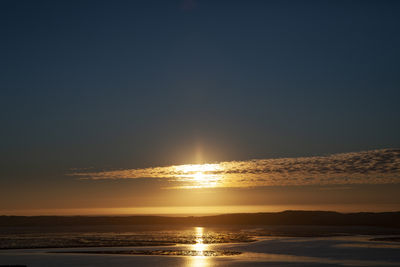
pixel 344 250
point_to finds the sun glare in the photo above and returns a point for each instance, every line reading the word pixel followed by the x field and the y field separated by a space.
pixel 199 247
pixel 200 260
pixel 193 168
pixel 199 175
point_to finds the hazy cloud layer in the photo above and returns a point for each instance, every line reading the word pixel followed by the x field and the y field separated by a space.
pixel 367 167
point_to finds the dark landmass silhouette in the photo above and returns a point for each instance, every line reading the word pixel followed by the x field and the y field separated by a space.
pixel 320 218
pixel 205 253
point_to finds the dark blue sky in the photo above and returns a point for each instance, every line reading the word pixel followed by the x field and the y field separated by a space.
pixel 145 83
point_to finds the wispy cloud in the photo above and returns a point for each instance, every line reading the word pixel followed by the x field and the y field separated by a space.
pixel 367 167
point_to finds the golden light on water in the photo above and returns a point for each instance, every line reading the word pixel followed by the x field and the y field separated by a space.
pixel 199 247
pixel 200 260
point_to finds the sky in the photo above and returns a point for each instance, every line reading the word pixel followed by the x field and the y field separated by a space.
pixel 95 96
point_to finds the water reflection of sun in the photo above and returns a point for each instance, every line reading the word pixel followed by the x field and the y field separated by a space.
pixel 199 247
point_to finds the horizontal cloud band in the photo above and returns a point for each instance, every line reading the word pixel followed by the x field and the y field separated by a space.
pixel 367 167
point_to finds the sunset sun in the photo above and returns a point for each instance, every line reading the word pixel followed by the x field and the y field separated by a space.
pixel 199 175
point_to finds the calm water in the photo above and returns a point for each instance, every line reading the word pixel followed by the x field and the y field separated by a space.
pixel 196 246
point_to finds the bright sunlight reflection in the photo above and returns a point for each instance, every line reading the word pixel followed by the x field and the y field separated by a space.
pixel 200 260
pixel 199 247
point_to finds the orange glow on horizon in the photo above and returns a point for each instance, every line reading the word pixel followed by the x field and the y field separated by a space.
pixel 200 210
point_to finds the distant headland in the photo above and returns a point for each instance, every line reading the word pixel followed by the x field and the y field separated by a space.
pixel 289 217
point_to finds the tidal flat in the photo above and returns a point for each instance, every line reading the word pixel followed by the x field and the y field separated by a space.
pixel 200 246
